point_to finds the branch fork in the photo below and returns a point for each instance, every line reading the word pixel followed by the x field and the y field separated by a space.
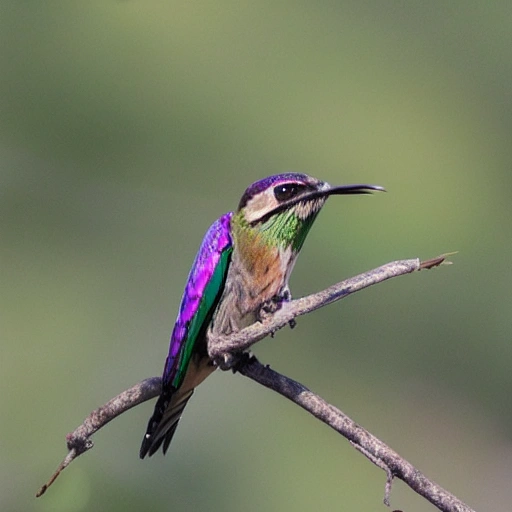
pixel 230 352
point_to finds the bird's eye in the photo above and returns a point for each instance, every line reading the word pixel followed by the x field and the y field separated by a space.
pixel 287 191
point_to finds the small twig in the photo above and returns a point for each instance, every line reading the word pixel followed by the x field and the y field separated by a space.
pixel 79 441
pixel 435 262
pixel 226 351
pixel 382 465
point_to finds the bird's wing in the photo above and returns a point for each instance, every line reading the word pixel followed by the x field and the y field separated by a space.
pixel 202 292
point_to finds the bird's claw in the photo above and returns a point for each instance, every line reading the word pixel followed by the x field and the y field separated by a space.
pixel 269 307
pixel 272 305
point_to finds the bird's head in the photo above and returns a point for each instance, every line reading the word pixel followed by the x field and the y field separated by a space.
pixel 291 193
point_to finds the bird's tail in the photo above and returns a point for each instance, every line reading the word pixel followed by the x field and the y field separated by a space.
pixel 163 423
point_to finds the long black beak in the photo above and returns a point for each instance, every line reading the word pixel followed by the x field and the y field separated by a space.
pixel 351 189
pixel 340 190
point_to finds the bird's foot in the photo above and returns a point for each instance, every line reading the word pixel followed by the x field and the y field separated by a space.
pixel 272 305
pixel 269 307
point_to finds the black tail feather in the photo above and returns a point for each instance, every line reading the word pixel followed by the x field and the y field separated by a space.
pixel 163 423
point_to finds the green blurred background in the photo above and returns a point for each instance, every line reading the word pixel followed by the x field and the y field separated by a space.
pixel 127 127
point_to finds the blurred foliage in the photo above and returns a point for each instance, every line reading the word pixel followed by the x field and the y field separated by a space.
pixel 126 127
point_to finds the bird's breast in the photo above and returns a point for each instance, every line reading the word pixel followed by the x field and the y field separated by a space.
pixel 257 273
pixel 263 271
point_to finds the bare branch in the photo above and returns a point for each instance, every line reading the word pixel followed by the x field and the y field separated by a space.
pixel 374 449
pixel 227 351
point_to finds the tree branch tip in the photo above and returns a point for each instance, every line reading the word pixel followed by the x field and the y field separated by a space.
pixel 62 466
pixel 41 491
pixel 435 262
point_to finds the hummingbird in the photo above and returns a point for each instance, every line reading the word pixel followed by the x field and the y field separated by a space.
pixel 240 272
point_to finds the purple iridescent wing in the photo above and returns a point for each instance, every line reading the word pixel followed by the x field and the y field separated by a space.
pixel 202 292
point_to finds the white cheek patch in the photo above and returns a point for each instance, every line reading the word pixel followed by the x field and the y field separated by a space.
pixel 260 205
